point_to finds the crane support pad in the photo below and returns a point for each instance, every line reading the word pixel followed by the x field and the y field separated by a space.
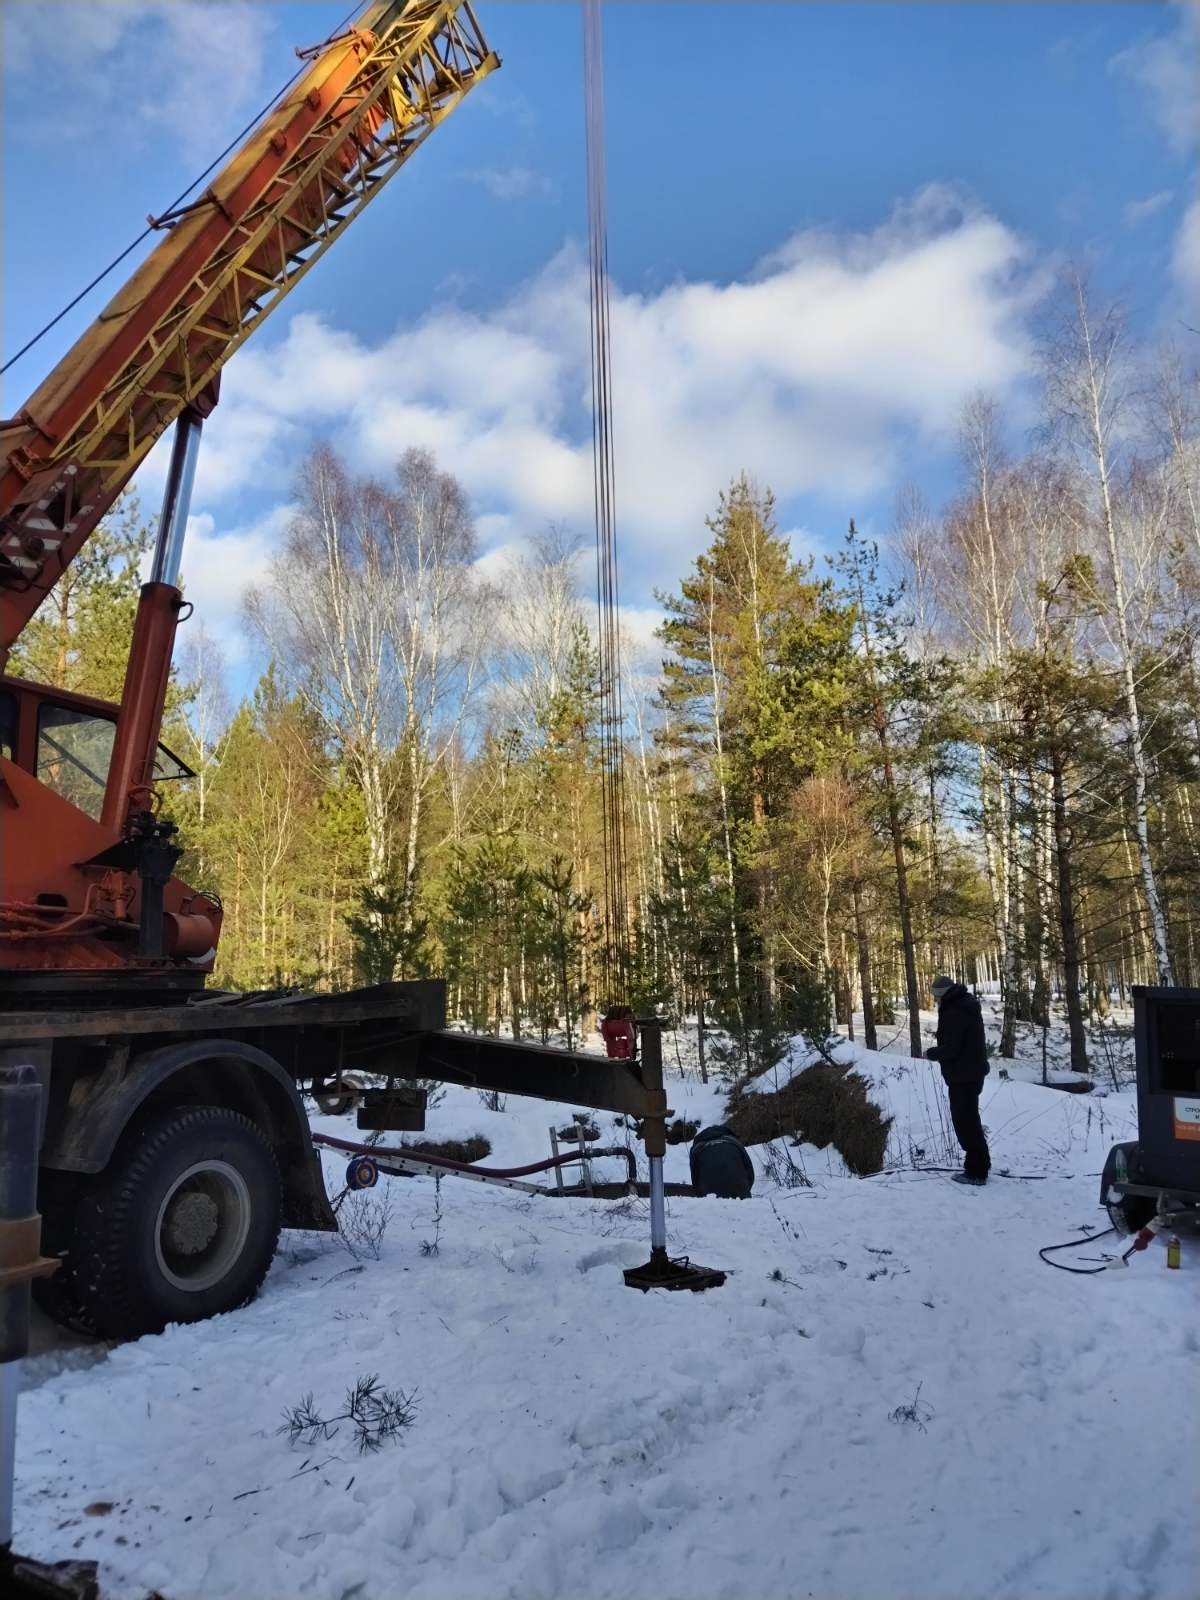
pixel 661 1272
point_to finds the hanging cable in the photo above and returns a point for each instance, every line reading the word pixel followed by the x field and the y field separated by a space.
pixel 173 207
pixel 612 719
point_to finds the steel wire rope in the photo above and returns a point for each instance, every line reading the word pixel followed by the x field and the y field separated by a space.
pixel 615 961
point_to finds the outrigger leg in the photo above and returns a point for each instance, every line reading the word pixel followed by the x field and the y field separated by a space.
pixel 661 1272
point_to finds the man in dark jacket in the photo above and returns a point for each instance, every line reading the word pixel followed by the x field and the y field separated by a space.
pixel 720 1164
pixel 961 1052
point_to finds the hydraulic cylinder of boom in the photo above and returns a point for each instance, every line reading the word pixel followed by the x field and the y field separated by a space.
pixel 177 497
pixel 142 700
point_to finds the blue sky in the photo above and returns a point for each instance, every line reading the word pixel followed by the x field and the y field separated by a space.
pixel 828 224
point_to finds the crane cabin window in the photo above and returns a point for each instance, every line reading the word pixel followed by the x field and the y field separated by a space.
pixel 74 752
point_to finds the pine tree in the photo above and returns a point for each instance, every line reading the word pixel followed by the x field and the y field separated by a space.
pixel 730 715
pixel 79 636
pixel 264 803
pixel 559 935
pixel 389 936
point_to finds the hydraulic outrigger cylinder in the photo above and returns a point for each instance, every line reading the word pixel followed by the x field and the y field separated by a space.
pixel 661 1272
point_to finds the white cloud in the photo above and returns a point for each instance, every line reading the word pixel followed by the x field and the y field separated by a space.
pixel 1185 257
pixel 514 183
pixel 1164 67
pixel 220 564
pixel 1139 210
pixel 817 372
pixel 641 651
pixel 33 30
pixel 804 542
pixel 179 69
pixel 500 564
pixel 494 530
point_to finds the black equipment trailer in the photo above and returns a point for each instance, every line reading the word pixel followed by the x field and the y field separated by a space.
pixel 1159 1171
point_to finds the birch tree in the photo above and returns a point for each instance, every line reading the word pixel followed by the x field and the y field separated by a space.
pixel 983 593
pixel 1089 394
pixel 435 625
pixel 371 610
pixel 538 615
pixel 324 616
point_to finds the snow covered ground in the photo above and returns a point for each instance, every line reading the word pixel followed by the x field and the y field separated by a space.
pixel 891 1397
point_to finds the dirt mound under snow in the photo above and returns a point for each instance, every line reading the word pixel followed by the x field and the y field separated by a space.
pixel 825 1104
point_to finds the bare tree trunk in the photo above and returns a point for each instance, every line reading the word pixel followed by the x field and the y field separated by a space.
pixel 329 948
pixel 936 880
pixel 846 988
pixel 1063 845
pixel 1041 1008
pixel 762 879
pixel 870 1037
pixel 895 827
pixel 726 829
pixel 417 779
pixel 1014 925
pixel 904 906
pixel 1140 949
pixel 1189 929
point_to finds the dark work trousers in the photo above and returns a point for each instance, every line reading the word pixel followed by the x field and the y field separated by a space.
pixel 968 1130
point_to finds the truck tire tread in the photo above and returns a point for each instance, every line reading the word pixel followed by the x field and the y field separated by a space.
pixel 105 1289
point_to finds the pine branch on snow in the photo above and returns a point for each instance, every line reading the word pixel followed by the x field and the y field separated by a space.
pixel 377 1415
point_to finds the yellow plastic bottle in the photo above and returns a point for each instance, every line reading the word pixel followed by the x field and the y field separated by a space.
pixel 1173 1250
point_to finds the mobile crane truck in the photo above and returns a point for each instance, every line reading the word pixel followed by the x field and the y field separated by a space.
pixel 173 1138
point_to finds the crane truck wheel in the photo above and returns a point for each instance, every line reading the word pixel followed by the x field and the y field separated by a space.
pixel 181 1225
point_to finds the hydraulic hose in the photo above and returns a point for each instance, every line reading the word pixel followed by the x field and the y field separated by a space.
pixel 402 1152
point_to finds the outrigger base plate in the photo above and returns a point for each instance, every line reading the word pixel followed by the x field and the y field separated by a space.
pixel 661 1272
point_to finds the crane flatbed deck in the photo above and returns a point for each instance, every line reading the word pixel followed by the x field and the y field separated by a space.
pixel 397 1030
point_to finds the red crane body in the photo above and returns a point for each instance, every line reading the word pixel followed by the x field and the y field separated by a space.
pixel 85 879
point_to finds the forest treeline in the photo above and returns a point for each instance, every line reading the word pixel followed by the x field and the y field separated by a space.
pixel 975 750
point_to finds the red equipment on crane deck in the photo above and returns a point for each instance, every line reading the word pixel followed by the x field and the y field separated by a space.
pixel 619 1032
